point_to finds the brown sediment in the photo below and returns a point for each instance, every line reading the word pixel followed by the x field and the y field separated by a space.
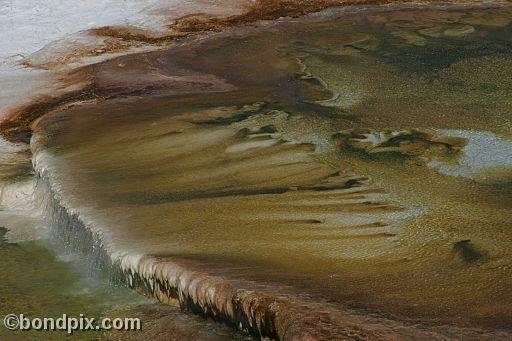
pixel 261 314
pixel 284 172
pixel 195 165
pixel 263 10
pixel 122 38
pixel 311 201
pixel 17 127
pixel 412 142
pixel 98 82
pixel 119 39
pixel 200 22
pixel 135 34
pixel 256 11
pixel 270 10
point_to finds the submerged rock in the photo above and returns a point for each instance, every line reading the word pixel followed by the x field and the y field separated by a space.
pixel 363 42
pixel 432 32
pixel 484 19
pixel 410 38
pixel 466 251
pixel 403 142
pixel 262 131
pixel 439 31
pixel 3 233
pixel 459 31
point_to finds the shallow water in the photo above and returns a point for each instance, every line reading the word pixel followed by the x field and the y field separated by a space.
pixel 42 277
pixel 250 184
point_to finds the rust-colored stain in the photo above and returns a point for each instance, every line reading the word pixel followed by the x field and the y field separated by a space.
pixel 16 126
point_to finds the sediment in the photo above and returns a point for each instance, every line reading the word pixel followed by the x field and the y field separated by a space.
pixel 258 313
pixel 119 40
